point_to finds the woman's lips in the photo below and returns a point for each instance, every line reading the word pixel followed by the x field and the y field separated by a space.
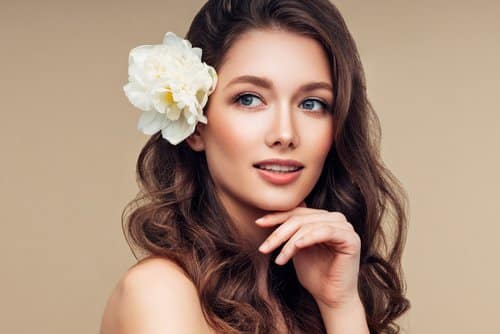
pixel 279 178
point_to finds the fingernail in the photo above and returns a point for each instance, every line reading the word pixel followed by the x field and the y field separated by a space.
pixel 279 258
pixel 260 220
pixel 264 246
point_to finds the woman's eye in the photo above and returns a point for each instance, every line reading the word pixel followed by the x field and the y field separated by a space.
pixel 310 103
pixel 246 99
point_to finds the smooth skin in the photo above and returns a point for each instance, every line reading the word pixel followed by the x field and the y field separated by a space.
pixel 153 297
pixel 325 250
pixel 247 123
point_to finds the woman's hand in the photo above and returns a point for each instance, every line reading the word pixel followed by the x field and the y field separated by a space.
pixel 325 251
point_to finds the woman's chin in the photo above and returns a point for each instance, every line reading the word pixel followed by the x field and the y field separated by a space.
pixel 278 204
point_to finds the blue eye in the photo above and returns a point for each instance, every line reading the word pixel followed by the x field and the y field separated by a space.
pixel 246 101
pixel 323 105
pixel 245 97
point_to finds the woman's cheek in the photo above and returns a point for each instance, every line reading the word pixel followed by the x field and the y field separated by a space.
pixel 237 128
pixel 319 138
pixel 225 133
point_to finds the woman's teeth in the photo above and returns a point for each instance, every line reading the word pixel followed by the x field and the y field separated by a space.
pixel 279 169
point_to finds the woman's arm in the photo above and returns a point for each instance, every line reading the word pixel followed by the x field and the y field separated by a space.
pixel 346 319
pixel 154 297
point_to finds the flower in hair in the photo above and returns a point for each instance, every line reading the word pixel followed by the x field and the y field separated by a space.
pixel 171 85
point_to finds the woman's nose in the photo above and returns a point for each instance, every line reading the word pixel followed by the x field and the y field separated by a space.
pixel 282 130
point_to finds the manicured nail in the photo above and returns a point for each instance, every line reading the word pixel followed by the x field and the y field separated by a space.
pixel 264 246
pixel 280 258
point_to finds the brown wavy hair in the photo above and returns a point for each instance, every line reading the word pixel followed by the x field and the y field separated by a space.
pixel 177 215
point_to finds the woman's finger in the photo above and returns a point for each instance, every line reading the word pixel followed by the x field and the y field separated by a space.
pixel 291 226
pixel 279 217
pixel 347 242
pixel 341 240
pixel 288 249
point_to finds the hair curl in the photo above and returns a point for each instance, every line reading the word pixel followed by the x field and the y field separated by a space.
pixel 177 215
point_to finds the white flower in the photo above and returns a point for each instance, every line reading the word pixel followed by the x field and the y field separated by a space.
pixel 171 85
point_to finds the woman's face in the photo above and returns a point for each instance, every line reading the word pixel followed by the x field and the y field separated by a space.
pixel 249 121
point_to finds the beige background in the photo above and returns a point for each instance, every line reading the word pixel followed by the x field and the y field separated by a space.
pixel 69 146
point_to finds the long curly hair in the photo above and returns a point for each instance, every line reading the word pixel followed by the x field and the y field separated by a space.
pixel 176 214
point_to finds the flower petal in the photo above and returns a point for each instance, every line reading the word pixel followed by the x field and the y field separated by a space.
pixel 197 51
pixel 173 113
pixel 137 96
pixel 150 122
pixel 177 131
pixel 140 53
pixel 215 79
pixel 202 97
pixel 171 39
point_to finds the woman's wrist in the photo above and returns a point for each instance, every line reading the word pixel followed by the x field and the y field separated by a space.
pixel 347 317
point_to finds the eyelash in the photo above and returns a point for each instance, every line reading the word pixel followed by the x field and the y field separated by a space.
pixel 239 96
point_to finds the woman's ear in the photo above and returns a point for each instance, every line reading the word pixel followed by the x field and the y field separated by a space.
pixel 195 140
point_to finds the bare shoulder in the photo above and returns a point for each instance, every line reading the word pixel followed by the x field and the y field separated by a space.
pixel 154 296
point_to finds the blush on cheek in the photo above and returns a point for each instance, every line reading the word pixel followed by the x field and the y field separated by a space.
pixel 319 139
pixel 325 144
pixel 326 139
pixel 226 134
pixel 234 129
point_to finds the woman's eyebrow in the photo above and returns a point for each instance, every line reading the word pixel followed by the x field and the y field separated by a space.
pixel 266 83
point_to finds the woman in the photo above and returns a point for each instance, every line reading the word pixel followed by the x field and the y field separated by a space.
pixel 287 134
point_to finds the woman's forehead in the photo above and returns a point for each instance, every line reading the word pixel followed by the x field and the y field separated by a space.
pixel 276 55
